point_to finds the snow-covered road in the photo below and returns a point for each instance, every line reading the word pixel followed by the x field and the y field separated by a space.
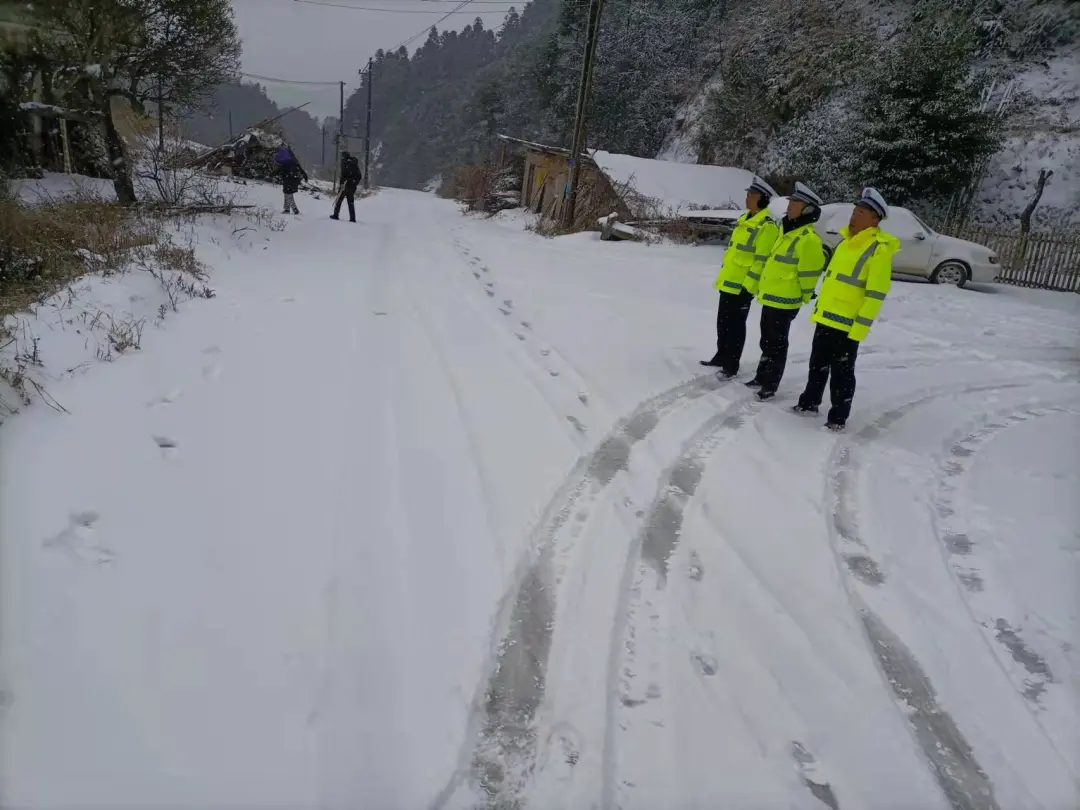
pixel 431 512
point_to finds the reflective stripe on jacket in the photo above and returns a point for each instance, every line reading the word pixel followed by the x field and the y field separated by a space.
pixel 750 244
pixel 857 281
pixel 791 271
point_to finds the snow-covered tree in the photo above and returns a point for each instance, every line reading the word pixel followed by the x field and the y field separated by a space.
pixel 922 132
pixel 139 50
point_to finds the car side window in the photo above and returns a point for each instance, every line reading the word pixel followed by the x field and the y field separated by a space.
pixel 902 225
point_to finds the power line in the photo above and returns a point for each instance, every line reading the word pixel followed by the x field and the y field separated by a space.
pixel 286 81
pixel 423 31
pixel 504 10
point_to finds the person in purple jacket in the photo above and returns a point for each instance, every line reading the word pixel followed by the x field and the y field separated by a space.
pixel 291 173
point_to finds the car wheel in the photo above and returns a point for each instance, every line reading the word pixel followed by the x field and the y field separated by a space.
pixel 951 272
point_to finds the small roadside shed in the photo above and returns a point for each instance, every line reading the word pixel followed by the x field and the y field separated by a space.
pixel 637 189
pixel 546 175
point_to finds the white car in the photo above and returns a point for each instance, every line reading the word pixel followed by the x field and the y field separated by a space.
pixel 923 251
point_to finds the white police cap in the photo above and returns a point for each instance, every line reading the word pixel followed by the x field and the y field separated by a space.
pixel 872 199
pixel 805 194
pixel 761 187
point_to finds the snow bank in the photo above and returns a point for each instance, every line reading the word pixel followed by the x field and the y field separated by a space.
pixel 676 185
pixel 55 186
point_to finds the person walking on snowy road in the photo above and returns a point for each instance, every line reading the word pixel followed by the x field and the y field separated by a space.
pixel 855 285
pixel 291 172
pixel 749 246
pixel 350 179
pixel 787 282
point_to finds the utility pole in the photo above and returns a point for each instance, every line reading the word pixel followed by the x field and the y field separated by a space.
pixel 367 132
pixel 340 135
pixel 322 160
pixel 592 35
pixel 160 119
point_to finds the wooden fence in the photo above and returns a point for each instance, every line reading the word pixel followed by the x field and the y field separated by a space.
pixel 1049 261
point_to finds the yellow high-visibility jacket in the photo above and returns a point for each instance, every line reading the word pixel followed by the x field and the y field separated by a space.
pixel 791 272
pixel 857 281
pixel 750 245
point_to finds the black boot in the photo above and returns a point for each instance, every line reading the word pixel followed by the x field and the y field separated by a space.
pixel 334 216
pixel 714 362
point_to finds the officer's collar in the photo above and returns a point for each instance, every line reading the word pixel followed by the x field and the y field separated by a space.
pixel 865 235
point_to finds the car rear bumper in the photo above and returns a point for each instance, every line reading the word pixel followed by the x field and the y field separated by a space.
pixel 984 273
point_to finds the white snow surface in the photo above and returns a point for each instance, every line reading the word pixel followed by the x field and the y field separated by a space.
pixel 428 511
pixel 675 185
pixel 57 186
pixel 1044 136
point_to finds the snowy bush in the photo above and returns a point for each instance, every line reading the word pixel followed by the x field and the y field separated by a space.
pixel 922 133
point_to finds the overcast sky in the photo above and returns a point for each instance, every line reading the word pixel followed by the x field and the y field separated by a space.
pixel 287 39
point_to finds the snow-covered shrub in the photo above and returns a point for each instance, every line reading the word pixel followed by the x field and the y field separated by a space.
pixel 489 186
pixel 921 133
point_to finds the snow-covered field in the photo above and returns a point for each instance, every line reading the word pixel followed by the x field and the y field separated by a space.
pixel 428 511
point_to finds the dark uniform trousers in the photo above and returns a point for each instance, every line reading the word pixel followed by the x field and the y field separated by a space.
pixel 347 194
pixel 775 326
pixel 731 314
pixel 832 353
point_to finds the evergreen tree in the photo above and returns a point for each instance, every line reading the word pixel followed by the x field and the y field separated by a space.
pixel 922 133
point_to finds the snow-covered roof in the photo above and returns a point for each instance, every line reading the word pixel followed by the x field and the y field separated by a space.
pixel 676 185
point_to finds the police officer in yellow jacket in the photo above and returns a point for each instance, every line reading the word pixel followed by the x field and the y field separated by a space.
pixel 751 241
pixel 785 283
pixel 855 286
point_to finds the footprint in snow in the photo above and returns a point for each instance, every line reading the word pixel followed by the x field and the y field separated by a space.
pixel 167 444
pixel 476 275
pixel 490 293
pixel 526 324
pixel 164 399
pixel 505 312
pixel 810 771
pixel 508 303
pixel 697 570
pixel 545 352
pixel 212 370
pixel 704 664
pixel 583 398
pixel 79 539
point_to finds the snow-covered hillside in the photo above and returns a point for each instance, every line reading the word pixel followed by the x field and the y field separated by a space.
pixel 429 511
pixel 1044 135
pixel 1042 119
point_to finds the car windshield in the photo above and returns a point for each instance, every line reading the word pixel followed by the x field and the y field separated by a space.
pixel 923 225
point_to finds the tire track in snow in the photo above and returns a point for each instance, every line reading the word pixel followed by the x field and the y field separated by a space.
pixel 651 550
pixel 961 778
pixel 956 546
pixel 845 467
pixel 501 742
pixel 583 396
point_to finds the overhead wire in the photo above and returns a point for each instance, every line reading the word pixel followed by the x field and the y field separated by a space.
pixel 286 81
pixel 424 30
pixel 507 5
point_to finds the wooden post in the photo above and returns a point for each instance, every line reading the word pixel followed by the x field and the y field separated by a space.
pixel 592 35
pixel 67 148
pixel 367 131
